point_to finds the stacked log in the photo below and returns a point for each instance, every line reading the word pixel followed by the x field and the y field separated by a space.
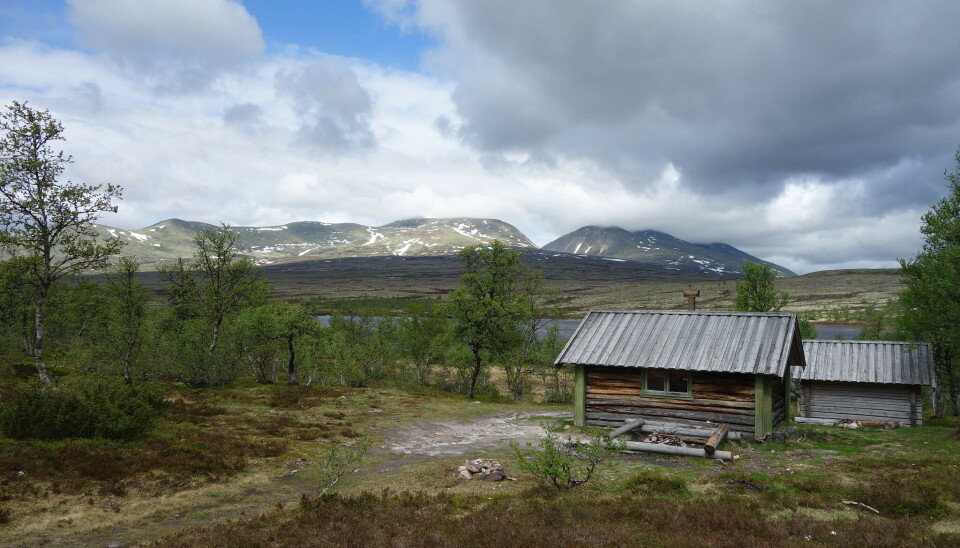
pixel 717 397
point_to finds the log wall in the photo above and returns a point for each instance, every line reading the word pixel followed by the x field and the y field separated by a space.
pixel 779 403
pixel 614 394
pixel 848 400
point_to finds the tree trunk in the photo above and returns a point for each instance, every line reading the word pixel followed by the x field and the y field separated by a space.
pixel 38 338
pixel 292 364
pixel 477 365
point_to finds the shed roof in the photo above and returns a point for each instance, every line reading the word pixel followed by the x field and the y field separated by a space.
pixel 883 362
pixel 731 342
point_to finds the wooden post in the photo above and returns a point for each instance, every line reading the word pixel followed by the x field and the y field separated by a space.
pixel 763 406
pixel 580 395
pixel 628 426
pixel 716 439
pixel 787 385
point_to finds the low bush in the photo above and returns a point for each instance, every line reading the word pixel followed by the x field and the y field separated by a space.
pixel 565 463
pixel 80 408
pixel 649 482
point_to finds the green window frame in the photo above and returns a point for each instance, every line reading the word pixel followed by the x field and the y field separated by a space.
pixel 668 383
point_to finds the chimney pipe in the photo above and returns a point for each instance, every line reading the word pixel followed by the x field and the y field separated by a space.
pixel 691 295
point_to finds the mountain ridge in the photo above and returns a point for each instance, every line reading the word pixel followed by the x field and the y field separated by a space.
pixel 170 239
pixel 655 247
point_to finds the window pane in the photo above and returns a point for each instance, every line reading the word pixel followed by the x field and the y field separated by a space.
pixel 678 382
pixel 655 381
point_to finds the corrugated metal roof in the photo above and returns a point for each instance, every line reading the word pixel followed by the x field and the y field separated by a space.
pixel 882 362
pixel 732 342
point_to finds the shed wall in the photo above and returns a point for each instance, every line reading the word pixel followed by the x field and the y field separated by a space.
pixel 867 401
pixel 614 394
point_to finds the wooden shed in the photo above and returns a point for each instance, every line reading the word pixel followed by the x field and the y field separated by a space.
pixel 686 367
pixel 869 380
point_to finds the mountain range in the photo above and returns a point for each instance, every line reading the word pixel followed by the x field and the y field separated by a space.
pixel 309 240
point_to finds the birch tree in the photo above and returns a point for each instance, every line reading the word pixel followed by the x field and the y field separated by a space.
pixel 48 221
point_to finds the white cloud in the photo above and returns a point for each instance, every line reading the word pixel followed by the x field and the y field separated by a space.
pixel 177 44
pixel 386 144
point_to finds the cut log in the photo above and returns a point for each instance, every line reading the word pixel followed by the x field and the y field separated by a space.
pixel 674 450
pixel 716 439
pixel 628 426
pixel 692 432
pixel 811 420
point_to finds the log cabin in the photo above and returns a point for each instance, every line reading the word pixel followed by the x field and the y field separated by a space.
pixel 867 380
pixel 692 368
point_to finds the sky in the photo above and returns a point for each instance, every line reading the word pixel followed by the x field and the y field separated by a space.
pixel 812 134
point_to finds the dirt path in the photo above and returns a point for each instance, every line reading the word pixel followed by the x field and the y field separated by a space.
pixel 452 437
pixel 251 495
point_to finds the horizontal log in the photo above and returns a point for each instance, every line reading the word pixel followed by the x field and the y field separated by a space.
pixel 645 404
pixel 674 414
pixel 687 431
pixel 630 425
pixel 674 450
pixel 660 401
pixel 813 420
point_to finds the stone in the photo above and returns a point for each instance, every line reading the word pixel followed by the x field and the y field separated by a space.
pixel 779 436
pixel 464 475
pixel 473 468
pixel 494 476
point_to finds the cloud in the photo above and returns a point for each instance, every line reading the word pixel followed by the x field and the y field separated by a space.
pixel 810 136
pixel 740 97
pixel 332 105
pixel 179 45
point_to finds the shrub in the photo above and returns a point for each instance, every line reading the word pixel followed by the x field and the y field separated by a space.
pixel 82 408
pixel 648 482
pixel 565 463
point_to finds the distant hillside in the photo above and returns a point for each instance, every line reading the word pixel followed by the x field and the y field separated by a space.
pixel 656 249
pixel 167 240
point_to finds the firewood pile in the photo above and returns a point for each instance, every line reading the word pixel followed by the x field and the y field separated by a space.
pixel 486 469
pixel 664 438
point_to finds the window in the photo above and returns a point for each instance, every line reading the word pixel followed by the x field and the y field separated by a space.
pixel 664 383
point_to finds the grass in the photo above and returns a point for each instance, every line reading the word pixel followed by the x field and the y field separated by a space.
pixel 228 466
pixel 778 494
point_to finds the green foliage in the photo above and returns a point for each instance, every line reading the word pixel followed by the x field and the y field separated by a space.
pixel 565 463
pixel 271 332
pixel 121 330
pixel 44 220
pixel 207 294
pixel 807 329
pixel 338 460
pixel 930 304
pixel 756 291
pixel 490 304
pixel 80 408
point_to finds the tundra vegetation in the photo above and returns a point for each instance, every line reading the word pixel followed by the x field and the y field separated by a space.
pixel 930 304
pixel 208 399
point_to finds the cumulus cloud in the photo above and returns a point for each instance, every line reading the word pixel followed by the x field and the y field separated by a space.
pixel 333 107
pixel 740 97
pixel 814 135
pixel 179 45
